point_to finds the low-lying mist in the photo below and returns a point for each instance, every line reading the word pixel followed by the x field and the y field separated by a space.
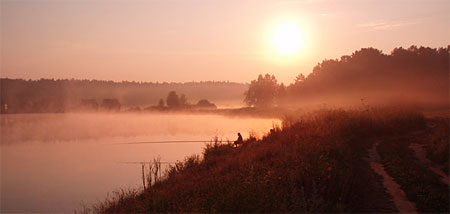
pixel 19 128
pixel 56 162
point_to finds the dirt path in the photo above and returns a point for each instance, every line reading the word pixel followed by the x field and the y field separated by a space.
pixel 401 202
pixel 422 156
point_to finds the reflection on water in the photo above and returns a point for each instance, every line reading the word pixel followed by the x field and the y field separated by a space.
pixel 56 162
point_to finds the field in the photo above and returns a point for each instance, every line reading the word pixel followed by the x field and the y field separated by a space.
pixel 317 162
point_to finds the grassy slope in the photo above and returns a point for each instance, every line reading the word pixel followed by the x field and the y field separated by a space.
pixel 315 164
pixel 438 143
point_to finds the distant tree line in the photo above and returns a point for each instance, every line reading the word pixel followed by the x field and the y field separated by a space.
pixel 110 104
pixel 50 95
pixel 178 102
pixel 416 74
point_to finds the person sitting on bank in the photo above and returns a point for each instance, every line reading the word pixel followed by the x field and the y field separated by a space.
pixel 239 140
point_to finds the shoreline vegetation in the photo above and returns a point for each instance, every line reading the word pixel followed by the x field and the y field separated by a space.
pixel 216 106
pixel 317 162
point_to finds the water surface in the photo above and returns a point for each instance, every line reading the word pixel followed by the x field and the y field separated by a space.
pixel 59 162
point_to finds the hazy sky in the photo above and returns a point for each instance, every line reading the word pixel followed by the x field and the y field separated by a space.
pixel 186 40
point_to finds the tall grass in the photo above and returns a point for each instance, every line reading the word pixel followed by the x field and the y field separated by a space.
pixel 314 163
pixel 438 146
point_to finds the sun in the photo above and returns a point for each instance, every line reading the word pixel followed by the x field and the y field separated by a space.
pixel 287 39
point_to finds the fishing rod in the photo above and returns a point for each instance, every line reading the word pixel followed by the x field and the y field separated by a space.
pixel 146 162
pixel 167 142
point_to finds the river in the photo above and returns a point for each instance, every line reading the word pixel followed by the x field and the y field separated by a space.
pixel 62 162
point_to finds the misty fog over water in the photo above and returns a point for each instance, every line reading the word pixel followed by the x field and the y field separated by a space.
pixel 57 162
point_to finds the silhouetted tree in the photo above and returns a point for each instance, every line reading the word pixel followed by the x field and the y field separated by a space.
pixel 299 78
pixel 61 95
pixel 111 105
pixel 161 103
pixel 416 73
pixel 183 100
pixel 89 104
pixel 172 99
pixel 281 95
pixel 3 107
pixel 262 92
pixel 205 104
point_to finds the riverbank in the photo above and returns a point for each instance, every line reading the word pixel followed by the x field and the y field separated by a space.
pixel 316 163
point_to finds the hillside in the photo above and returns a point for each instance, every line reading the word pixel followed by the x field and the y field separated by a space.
pixel 418 75
pixel 319 162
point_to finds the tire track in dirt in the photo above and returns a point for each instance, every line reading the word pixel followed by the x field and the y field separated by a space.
pixel 421 155
pixel 393 188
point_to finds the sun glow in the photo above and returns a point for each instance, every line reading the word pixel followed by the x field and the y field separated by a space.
pixel 287 39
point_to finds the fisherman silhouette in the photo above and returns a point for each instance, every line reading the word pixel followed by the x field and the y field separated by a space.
pixel 239 140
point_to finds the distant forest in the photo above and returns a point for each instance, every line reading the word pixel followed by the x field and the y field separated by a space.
pixel 418 75
pixel 368 76
pixel 49 95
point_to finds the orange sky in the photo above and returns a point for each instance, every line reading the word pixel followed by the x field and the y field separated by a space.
pixel 178 41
